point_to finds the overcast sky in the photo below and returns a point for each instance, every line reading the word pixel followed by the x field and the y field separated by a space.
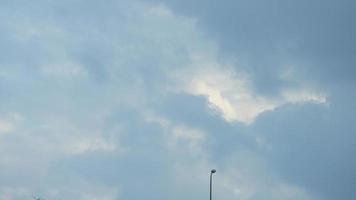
pixel 131 100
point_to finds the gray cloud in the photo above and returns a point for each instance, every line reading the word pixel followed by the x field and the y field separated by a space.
pixel 310 145
pixel 316 37
pixel 94 100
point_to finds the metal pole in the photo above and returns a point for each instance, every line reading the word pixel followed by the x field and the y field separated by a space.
pixel 211 180
pixel 211 176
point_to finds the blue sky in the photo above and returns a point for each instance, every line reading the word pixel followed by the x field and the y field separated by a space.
pixel 128 100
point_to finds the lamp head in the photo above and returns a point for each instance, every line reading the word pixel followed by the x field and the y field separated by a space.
pixel 213 171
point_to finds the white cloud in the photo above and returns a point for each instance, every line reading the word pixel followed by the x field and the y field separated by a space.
pixel 30 29
pixel 192 135
pixel 66 70
pixel 160 11
pixel 89 144
pixel 6 126
pixel 179 138
pixel 231 96
pixel 100 193
pixel 12 193
pixel 10 122
pixel 304 96
pixel 66 135
pixel 187 139
pixel 76 188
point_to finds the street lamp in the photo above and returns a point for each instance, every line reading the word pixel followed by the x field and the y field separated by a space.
pixel 211 180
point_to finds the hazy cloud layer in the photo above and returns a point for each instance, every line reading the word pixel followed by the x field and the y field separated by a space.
pixel 140 99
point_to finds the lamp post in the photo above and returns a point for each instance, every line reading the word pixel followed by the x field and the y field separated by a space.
pixel 211 180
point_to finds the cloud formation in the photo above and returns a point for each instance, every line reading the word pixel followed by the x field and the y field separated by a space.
pixel 234 98
pixel 140 99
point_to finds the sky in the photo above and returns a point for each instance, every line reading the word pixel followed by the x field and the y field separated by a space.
pixel 140 99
